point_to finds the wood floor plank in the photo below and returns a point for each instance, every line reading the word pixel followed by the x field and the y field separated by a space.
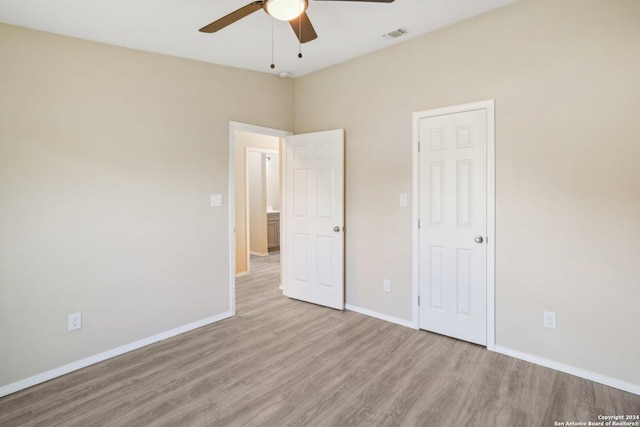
pixel 281 362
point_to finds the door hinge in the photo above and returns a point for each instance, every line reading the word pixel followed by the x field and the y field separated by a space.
pixel 418 224
pixel 418 146
pixel 418 299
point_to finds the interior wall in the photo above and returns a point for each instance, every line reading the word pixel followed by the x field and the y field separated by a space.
pixel 273 182
pixel 257 188
pixel 108 157
pixel 242 140
pixel 564 76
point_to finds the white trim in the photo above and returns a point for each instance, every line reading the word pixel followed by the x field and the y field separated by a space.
pixel 256 253
pixel 83 363
pixel 283 213
pixel 262 150
pixel 572 370
pixel 415 215
pixel 244 127
pixel 487 105
pixel 233 127
pixel 242 274
pixel 491 225
pixel 247 210
pixel 381 316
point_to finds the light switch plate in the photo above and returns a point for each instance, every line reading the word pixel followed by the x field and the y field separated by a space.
pixel 216 200
pixel 403 200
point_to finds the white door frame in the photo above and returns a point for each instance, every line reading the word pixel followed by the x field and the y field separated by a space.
pixel 487 105
pixel 234 126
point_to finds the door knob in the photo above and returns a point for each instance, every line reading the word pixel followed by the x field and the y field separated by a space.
pixel 336 228
pixel 478 239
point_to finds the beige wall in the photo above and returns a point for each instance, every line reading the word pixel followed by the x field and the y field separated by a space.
pixel 565 79
pixel 108 157
pixel 242 140
pixel 273 182
pixel 257 197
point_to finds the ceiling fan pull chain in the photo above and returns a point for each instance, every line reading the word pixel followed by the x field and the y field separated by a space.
pixel 272 64
pixel 300 38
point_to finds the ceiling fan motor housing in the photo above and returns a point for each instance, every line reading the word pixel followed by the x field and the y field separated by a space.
pixel 285 10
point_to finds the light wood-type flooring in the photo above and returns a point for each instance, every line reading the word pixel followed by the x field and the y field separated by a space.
pixel 281 362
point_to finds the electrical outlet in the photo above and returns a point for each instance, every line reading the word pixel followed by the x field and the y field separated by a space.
pixel 386 285
pixel 549 319
pixel 74 321
pixel 403 200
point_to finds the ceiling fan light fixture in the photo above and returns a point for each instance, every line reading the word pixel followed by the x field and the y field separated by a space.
pixel 285 10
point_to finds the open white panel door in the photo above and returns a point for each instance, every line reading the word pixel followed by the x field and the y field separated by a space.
pixel 314 215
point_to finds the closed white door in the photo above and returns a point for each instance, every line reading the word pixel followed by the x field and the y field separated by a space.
pixel 453 225
pixel 314 218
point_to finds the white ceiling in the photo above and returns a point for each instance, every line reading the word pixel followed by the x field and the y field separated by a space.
pixel 345 29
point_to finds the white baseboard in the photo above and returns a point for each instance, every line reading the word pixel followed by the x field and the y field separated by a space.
pixel 259 253
pixel 568 369
pixel 83 363
pixel 572 370
pixel 242 273
pixel 371 313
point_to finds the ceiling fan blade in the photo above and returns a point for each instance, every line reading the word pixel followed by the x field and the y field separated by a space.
pixel 303 28
pixel 368 1
pixel 232 17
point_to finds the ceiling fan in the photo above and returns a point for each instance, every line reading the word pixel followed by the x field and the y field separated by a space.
pixel 293 11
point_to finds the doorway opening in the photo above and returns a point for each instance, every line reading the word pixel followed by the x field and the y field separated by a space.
pixel 262 200
pixel 255 196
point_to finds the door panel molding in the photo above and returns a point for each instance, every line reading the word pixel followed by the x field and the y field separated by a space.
pixel 488 106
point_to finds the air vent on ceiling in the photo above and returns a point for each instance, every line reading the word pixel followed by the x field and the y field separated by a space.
pixel 395 34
